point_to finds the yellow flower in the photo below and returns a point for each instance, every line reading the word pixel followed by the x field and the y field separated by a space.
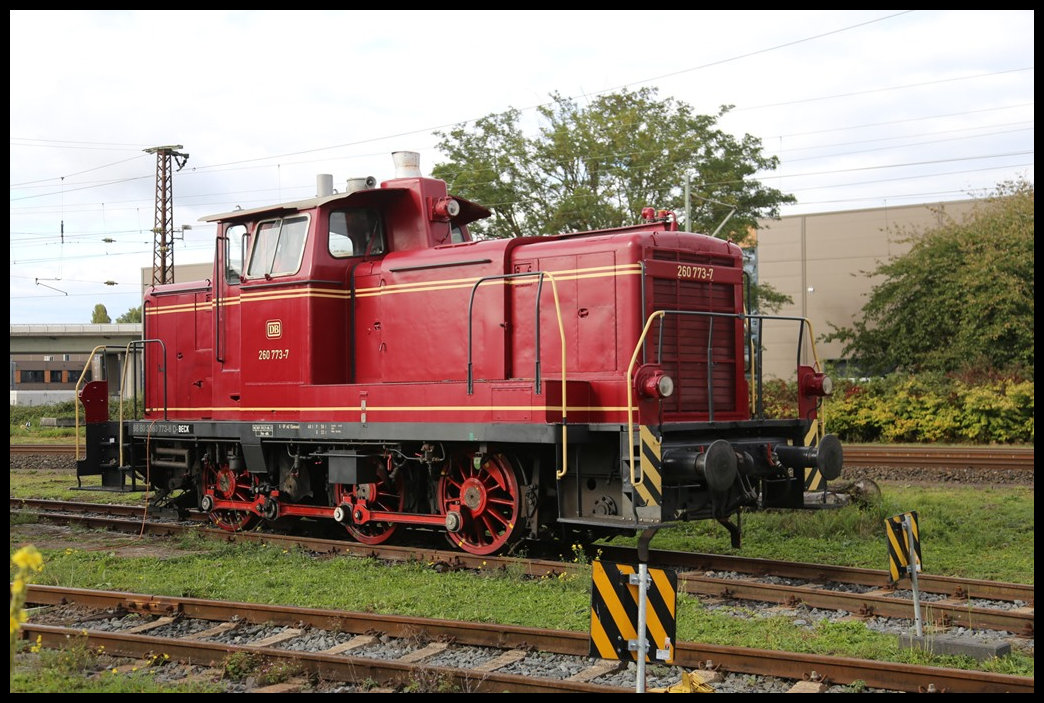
pixel 28 558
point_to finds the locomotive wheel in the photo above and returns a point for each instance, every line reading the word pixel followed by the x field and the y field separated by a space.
pixel 486 498
pixel 383 496
pixel 231 485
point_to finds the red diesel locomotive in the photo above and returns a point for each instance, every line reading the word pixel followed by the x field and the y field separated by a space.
pixel 358 357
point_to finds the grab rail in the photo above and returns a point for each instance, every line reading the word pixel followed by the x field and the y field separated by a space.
pixel 536 352
pixel 658 314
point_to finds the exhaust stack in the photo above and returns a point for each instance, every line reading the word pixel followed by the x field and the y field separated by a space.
pixel 407 164
pixel 323 185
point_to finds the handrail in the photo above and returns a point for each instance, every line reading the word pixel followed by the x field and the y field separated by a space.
pixel 655 315
pixel 76 394
pixel 219 278
pixel 559 473
pixel 123 381
pixel 630 396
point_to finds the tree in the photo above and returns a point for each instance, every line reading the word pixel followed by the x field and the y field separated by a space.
pixel 132 315
pixel 960 300
pixel 100 316
pixel 598 166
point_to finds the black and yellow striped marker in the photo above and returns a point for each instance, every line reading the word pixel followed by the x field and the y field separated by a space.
pixel 650 488
pixel 614 613
pixel 899 564
pixel 813 476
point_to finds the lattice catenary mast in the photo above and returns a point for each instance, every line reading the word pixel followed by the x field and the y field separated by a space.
pixel 163 246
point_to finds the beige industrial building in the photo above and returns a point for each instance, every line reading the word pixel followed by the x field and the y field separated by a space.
pixel 818 260
pixel 821 260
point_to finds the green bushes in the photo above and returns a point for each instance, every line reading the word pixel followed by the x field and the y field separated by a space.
pixel 920 409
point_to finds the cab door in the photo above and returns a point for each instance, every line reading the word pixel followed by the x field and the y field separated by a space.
pixel 232 245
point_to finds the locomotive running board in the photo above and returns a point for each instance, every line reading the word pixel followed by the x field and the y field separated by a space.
pixel 620 524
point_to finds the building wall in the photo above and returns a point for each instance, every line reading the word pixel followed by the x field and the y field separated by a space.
pixel 47 361
pixel 820 261
pixel 41 372
pixel 182 273
pixel 32 398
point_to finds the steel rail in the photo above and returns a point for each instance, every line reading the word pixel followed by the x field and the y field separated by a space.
pixel 842 670
pixel 882 600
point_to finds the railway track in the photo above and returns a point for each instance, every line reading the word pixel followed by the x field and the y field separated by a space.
pixel 476 657
pixel 866 593
pixel 862 455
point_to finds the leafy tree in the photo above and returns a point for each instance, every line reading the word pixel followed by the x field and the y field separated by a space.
pixel 100 316
pixel 598 166
pixel 132 315
pixel 961 299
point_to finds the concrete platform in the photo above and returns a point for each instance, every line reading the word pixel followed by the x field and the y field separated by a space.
pixel 959 646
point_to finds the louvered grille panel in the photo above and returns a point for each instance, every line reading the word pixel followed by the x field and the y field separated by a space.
pixel 685 343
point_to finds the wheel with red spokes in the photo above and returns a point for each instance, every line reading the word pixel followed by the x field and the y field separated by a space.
pixel 384 495
pixel 228 484
pixel 479 494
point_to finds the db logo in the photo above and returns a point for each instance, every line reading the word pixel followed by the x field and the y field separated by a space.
pixel 274 329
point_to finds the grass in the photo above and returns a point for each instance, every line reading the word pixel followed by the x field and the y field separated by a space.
pixel 57 484
pixel 974 532
pixel 965 531
pixel 40 670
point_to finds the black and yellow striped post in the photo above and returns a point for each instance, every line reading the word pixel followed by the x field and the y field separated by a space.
pixel 899 545
pixel 904 555
pixel 650 487
pixel 615 613
pixel 814 479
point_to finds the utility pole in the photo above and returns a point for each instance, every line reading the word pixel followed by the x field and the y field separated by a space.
pixel 163 239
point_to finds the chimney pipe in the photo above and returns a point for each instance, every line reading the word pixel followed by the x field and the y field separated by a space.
pixel 323 185
pixel 407 164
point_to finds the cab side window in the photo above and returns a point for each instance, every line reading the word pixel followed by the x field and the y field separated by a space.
pixel 356 232
pixel 235 252
pixel 278 247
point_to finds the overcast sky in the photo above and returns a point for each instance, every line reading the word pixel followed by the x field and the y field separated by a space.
pixel 865 108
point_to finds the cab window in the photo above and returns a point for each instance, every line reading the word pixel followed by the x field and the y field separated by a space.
pixel 278 247
pixel 235 252
pixel 356 231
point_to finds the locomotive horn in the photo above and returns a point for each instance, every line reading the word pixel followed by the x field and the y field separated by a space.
pixel 827 456
pixel 355 184
pixel 715 467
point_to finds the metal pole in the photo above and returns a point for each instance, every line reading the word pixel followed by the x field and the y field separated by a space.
pixel 914 566
pixel 688 207
pixel 643 643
